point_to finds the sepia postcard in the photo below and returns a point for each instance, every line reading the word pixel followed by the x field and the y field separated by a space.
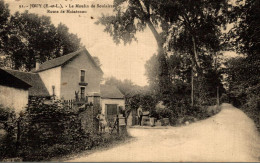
pixel 129 81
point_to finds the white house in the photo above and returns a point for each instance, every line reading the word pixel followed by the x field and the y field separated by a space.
pixel 14 92
pixel 74 74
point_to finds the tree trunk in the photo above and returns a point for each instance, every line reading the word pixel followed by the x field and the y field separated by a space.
pixel 192 85
pixel 157 36
pixel 195 53
pixel 164 77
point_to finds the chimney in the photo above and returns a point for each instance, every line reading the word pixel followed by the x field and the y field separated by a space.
pixel 37 66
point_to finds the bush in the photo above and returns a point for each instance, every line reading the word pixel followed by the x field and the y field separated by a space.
pixel 8 140
pixel 49 130
pixel 163 113
pixel 224 98
pixel 252 109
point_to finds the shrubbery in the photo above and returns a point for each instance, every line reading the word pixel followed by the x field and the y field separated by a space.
pixel 248 100
pixel 252 109
pixel 50 130
pixel 224 98
pixel 182 112
pixel 7 135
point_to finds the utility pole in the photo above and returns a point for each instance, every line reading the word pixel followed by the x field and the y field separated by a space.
pixel 192 85
pixel 218 95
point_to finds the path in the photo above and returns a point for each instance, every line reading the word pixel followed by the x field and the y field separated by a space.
pixel 227 136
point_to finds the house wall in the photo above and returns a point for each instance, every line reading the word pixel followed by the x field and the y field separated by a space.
pixel 70 77
pixel 119 102
pixel 13 98
pixel 52 77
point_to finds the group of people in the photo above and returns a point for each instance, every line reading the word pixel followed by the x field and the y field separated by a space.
pixel 103 123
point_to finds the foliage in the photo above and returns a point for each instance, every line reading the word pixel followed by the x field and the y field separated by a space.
pixel 224 98
pixel 243 72
pixel 27 38
pixel 152 73
pixel 4 15
pixel 50 130
pixel 7 138
pixel 133 16
pixel 245 35
pixel 133 93
pixel 191 34
pixel 242 78
pixel 54 128
pixel 252 108
pixel 163 113
pixel 97 61
pixel 127 87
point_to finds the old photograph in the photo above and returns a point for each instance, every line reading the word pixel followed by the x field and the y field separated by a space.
pixel 130 80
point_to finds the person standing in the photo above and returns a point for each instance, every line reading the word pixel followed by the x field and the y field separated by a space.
pixel 140 114
pixel 102 122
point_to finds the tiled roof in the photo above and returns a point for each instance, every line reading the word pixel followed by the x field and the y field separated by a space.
pixel 65 59
pixel 109 91
pixel 38 88
pixel 10 80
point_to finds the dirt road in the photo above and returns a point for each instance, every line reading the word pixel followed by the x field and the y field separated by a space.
pixel 227 136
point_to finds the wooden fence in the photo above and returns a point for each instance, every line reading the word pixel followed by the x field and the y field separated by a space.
pixel 76 102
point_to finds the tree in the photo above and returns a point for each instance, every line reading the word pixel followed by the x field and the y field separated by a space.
pixel 134 95
pixel 130 17
pixel 4 16
pixel 97 60
pixel 152 74
pixel 196 31
pixel 243 80
pixel 246 33
pixel 127 87
pixel 245 38
pixel 65 42
pixel 243 72
pixel 198 23
pixel 33 38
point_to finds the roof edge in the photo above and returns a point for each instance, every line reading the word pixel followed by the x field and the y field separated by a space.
pixel 46 69
pixel 76 54
pixel 13 76
pixel 92 60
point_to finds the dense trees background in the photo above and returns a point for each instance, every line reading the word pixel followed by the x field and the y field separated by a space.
pixel 242 72
pixel 27 38
pixel 188 70
pixel 184 71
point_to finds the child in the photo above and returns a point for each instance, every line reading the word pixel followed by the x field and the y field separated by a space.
pixel 102 122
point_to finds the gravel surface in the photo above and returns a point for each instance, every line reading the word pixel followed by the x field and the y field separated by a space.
pixel 228 136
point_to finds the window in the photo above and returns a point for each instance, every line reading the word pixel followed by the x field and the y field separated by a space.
pixel 82 75
pixel 82 92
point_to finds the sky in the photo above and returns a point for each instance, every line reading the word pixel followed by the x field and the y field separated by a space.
pixel 121 61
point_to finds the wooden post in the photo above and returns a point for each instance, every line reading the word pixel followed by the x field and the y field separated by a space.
pixel 192 85
pixel 18 134
pixel 93 121
pixel 117 124
pixel 218 95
